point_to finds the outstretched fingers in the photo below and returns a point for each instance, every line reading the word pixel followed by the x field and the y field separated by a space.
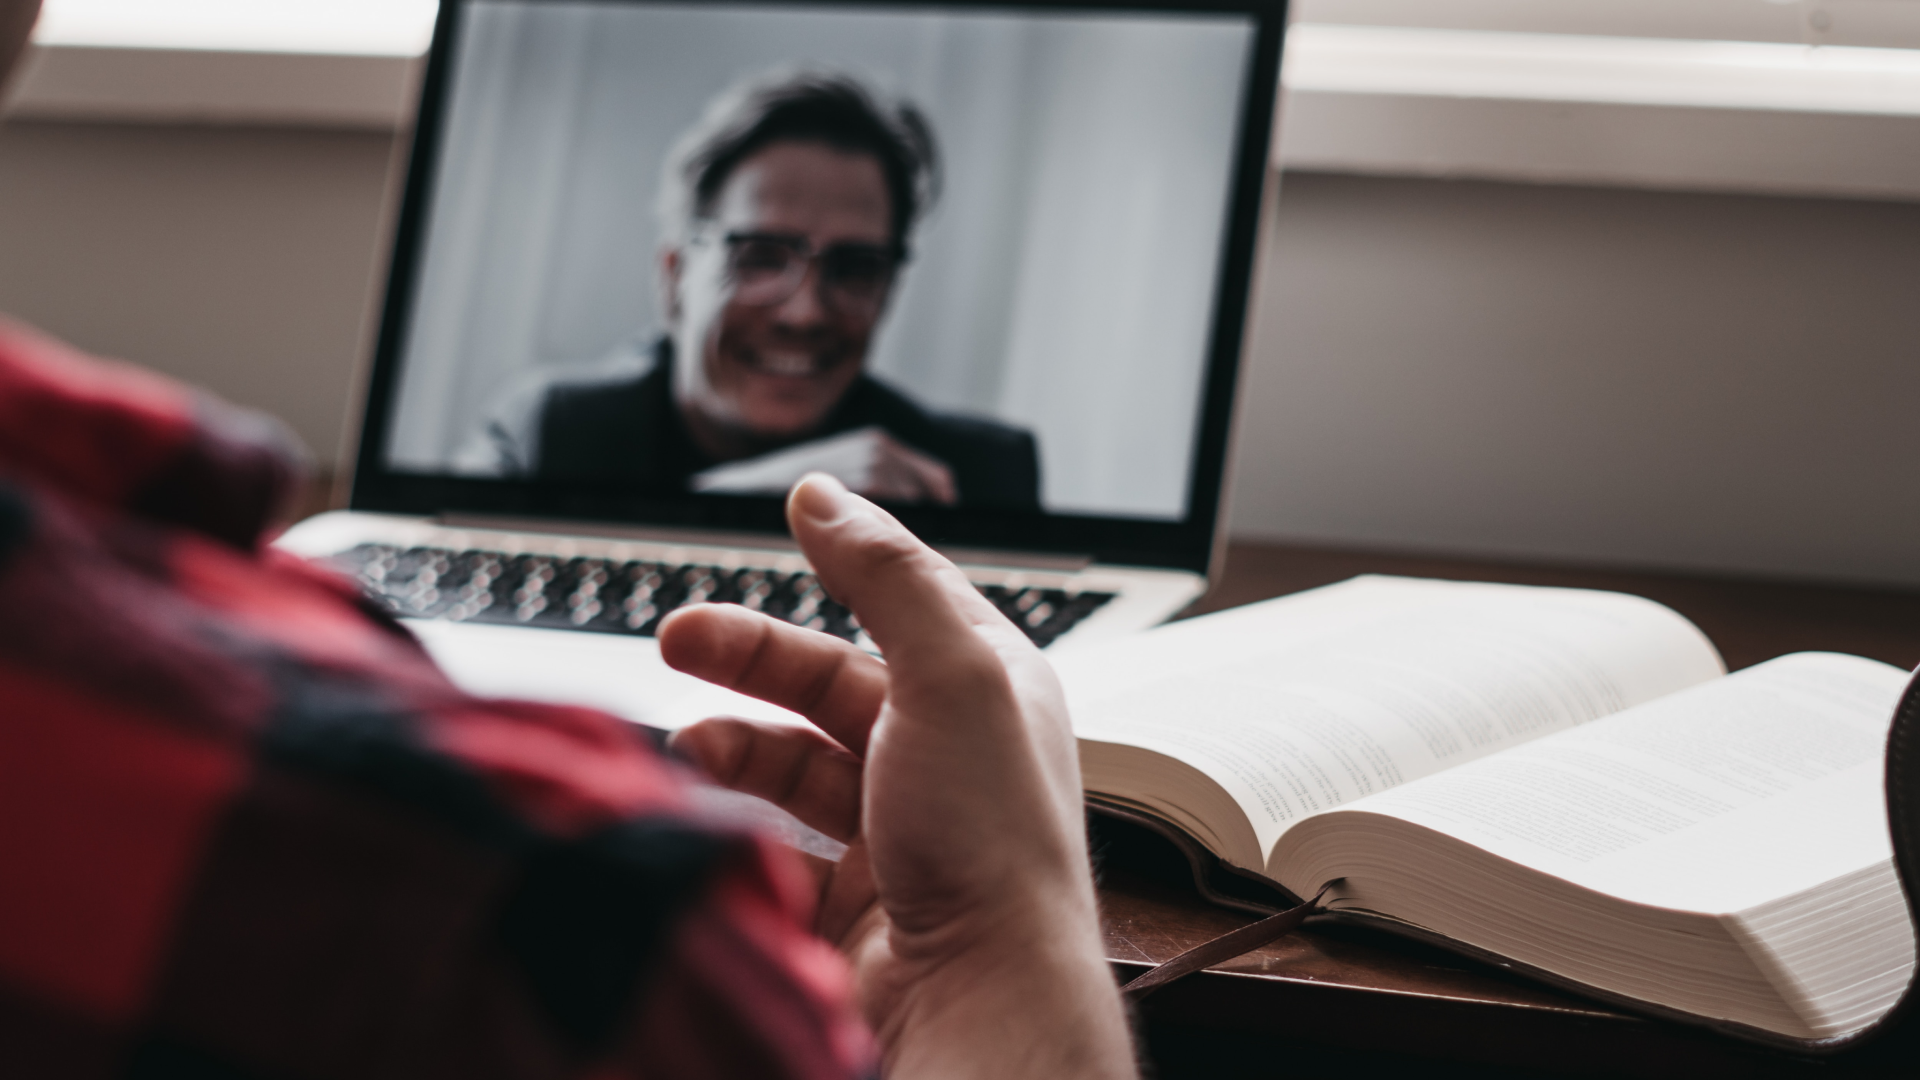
pixel 828 681
pixel 797 769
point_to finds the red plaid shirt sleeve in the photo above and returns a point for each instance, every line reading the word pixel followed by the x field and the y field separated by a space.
pixel 248 830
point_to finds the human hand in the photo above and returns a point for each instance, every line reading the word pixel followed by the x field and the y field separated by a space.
pixel 964 901
pixel 867 460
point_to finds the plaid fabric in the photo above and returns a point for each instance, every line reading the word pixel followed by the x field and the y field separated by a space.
pixel 248 830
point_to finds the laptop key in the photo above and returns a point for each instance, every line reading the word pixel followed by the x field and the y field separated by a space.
pixel 602 596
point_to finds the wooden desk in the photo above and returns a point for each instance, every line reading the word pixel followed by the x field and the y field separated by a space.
pixel 1337 999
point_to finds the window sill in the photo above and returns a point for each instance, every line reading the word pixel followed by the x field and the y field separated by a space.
pixel 1721 116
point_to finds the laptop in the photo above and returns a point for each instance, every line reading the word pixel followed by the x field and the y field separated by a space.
pixel 988 263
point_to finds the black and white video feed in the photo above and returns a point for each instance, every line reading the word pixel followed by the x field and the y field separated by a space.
pixel 953 259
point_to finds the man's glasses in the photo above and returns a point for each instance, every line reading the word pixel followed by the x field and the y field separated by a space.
pixel 767 268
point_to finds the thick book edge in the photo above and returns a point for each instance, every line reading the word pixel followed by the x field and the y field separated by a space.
pixel 1637 1006
pixel 1214 878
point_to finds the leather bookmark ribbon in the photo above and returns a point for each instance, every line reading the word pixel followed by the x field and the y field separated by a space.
pixel 1225 947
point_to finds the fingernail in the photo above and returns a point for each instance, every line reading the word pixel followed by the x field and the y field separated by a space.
pixel 822 499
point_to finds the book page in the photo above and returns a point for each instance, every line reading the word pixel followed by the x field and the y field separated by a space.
pixel 1717 799
pixel 1302 704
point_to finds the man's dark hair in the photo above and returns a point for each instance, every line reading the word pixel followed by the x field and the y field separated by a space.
pixel 814 107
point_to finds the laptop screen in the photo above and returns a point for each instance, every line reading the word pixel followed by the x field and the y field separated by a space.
pixel 660 260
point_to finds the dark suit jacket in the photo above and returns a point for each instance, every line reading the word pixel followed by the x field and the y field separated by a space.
pixel 618 423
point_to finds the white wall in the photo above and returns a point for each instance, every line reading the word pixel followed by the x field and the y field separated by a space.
pixel 1628 378
pixel 1713 382
pixel 239 259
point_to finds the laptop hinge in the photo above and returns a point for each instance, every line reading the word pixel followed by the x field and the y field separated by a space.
pixel 1018 560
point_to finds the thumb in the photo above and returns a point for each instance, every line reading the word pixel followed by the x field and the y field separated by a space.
pixel 913 602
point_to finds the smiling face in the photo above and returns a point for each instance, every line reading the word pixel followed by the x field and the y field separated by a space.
pixel 752 376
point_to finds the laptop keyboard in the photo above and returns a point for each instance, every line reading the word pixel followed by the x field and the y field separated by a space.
pixel 610 597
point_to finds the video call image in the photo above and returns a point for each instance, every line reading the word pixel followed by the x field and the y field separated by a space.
pixel 953 258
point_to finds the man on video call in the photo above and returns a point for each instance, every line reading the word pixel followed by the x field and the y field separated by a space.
pixel 787 210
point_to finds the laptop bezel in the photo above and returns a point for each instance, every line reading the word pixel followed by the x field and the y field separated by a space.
pixel 1187 544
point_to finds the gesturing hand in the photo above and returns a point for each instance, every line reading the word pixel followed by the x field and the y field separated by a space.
pixel 964 900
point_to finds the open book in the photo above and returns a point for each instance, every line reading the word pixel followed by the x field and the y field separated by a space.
pixel 1565 781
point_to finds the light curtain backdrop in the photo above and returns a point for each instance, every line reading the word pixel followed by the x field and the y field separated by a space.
pixel 1065 282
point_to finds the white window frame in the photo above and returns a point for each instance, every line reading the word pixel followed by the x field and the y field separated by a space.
pixel 1869 23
